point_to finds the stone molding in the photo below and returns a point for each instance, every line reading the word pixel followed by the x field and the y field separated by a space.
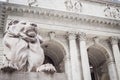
pixel 104 2
pixel 114 40
pixel 81 36
pixel 70 35
pixel 10 8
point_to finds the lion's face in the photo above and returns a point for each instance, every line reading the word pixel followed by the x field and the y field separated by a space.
pixel 31 33
pixel 26 27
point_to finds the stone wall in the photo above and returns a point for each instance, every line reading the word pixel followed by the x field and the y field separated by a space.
pixel 1 51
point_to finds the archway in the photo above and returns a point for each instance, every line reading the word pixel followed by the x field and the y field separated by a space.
pixel 97 59
pixel 54 54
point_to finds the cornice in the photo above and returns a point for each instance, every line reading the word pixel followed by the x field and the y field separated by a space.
pixel 110 2
pixel 59 14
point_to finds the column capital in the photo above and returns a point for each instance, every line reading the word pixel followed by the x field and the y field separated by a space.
pixel 81 36
pixel 114 40
pixel 71 35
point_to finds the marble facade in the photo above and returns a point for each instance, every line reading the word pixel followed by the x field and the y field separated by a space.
pixel 81 38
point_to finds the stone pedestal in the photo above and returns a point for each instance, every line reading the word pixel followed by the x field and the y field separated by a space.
pixel 32 76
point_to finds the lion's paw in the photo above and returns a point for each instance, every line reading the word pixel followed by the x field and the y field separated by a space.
pixel 48 68
pixel 9 67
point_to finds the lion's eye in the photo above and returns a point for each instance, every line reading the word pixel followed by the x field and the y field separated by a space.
pixel 33 25
pixel 16 21
pixel 23 23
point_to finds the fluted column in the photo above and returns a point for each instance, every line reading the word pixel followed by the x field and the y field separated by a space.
pixel 116 53
pixel 84 56
pixel 75 63
pixel 67 61
pixel 112 70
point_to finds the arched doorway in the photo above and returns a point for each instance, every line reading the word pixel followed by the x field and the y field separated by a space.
pixel 54 54
pixel 97 59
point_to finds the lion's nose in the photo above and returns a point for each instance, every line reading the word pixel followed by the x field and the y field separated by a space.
pixel 35 25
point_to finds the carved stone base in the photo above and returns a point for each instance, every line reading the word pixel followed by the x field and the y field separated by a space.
pixel 32 76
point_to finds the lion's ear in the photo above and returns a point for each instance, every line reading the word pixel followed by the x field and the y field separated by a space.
pixel 13 22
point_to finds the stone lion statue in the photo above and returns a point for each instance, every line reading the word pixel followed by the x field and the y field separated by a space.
pixel 22 47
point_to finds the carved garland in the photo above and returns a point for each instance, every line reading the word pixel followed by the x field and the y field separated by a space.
pixel 112 12
pixel 75 6
pixel 60 14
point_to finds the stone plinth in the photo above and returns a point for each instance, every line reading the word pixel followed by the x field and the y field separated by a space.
pixel 32 76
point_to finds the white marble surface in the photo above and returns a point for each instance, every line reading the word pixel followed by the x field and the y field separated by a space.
pixel 88 7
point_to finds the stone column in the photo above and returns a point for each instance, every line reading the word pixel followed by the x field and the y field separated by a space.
pixel 67 62
pixel 84 56
pixel 112 70
pixel 116 53
pixel 75 63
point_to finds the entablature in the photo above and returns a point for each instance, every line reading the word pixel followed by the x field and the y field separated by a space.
pixel 10 8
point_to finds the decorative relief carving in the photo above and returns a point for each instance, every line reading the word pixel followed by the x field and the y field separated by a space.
pixel 114 40
pixel 22 48
pixel 112 11
pixel 32 3
pixel 71 35
pixel 68 5
pixel 74 5
pixel 82 36
pixel 59 14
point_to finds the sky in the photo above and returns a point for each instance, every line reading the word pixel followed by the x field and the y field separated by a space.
pixel 3 0
pixel 108 0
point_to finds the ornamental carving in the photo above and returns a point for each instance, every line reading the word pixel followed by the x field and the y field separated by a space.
pixel 32 3
pixel 114 40
pixel 73 5
pixel 22 48
pixel 112 12
pixel 82 36
pixel 71 35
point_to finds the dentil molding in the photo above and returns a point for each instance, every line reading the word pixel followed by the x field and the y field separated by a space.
pixel 10 8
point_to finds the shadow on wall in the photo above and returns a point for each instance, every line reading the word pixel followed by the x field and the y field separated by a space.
pixel 54 54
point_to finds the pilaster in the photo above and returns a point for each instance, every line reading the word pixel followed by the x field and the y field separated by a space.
pixel 112 69
pixel 116 53
pixel 74 56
